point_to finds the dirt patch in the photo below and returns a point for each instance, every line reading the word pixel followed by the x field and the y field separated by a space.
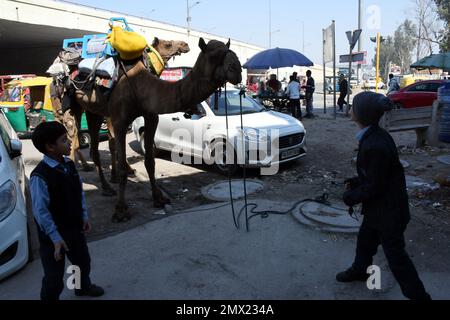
pixel 331 147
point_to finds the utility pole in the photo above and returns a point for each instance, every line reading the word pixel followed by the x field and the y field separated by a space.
pixel 360 42
pixel 303 36
pixel 379 39
pixel 353 38
pixel 188 15
pixel 270 24
pixel 378 61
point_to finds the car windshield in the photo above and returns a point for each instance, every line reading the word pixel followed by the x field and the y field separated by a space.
pixel 233 102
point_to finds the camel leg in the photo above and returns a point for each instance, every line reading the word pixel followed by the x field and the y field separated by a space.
pixel 112 149
pixel 94 124
pixel 75 152
pixel 151 123
pixel 121 213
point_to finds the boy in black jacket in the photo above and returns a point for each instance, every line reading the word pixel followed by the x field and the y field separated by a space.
pixel 381 188
pixel 59 209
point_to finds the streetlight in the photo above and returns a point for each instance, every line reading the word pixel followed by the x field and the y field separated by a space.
pixel 271 33
pixel 188 16
pixel 378 40
pixel 303 34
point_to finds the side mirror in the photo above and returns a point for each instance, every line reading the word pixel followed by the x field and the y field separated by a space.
pixel 16 148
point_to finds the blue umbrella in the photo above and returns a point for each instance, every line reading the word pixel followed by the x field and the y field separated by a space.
pixel 277 58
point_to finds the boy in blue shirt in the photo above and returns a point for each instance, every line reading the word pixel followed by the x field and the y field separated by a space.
pixel 59 209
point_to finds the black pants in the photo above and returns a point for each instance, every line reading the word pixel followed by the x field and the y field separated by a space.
pixel 393 244
pixel 341 101
pixel 294 108
pixel 78 254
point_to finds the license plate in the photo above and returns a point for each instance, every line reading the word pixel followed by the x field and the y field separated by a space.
pixel 290 153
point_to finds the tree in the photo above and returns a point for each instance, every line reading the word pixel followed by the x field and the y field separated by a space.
pixel 398 49
pixel 428 24
pixel 444 14
pixel 405 40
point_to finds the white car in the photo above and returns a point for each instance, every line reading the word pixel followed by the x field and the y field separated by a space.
pixel 14 242
pixel 371 83
pixel 268 138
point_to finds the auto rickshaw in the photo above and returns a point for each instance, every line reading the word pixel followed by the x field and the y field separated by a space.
pixel 27 103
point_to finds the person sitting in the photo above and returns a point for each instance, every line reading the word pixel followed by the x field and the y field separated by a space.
pixel 273 85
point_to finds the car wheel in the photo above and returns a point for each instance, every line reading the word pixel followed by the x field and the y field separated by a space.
pixel 220 161
pixel 398 105
pixel 85 140
pixel 142 144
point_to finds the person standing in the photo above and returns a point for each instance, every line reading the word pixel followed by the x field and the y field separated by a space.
pixel 59 209
pixel 343 91
pixel 393 84
pixel 310 88
pixel 381 188
pixel 293 92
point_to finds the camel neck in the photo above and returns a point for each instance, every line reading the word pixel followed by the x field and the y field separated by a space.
pixel 196 88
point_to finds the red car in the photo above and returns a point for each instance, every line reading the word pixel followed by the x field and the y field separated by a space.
pixel 419 94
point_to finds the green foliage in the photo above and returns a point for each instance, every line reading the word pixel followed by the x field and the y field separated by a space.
pixel 398 49
pixel 444 14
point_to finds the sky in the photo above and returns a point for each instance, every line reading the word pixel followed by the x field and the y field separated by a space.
pixel 248 20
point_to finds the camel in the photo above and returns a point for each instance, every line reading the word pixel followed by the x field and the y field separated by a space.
pixel 140 93
pixel 167 49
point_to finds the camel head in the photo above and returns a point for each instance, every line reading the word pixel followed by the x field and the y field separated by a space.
pixel 219 63
pixel 169 48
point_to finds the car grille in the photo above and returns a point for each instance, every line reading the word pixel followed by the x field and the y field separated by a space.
pixel 291 140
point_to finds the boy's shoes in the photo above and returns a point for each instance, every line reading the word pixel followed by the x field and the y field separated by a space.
pixel 94 291
pixel 351 275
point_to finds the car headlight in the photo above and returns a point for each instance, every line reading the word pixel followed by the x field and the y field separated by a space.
pixel 255 135
pixel 8 199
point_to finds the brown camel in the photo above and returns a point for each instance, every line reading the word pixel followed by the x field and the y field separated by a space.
pixel 167 49
pixel 140 93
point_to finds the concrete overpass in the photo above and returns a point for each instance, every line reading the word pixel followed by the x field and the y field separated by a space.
pixel 32 32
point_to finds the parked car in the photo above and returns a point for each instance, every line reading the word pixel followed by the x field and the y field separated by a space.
pixel 419 94
pixel 371 83
pixel 14 240
pixel 260 127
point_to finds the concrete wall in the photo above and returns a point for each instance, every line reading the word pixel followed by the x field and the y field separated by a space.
pixel 45 23
pixel 65 16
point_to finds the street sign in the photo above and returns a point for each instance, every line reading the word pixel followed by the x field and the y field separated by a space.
pixel 353 37
pixel 356 57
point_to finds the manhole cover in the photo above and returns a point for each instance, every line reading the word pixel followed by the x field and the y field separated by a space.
pixel 325 218
pixel 220 191
pixel 444 159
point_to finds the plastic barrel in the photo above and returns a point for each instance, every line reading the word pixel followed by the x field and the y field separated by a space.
pixel 444 100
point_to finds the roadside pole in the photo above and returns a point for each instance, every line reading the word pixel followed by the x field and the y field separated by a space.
pixel 324 76
pixel 334 69
pixel 378 62
pixel 349 79
pixel 353 38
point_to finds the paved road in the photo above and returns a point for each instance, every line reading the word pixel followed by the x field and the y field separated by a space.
pixel 201 255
